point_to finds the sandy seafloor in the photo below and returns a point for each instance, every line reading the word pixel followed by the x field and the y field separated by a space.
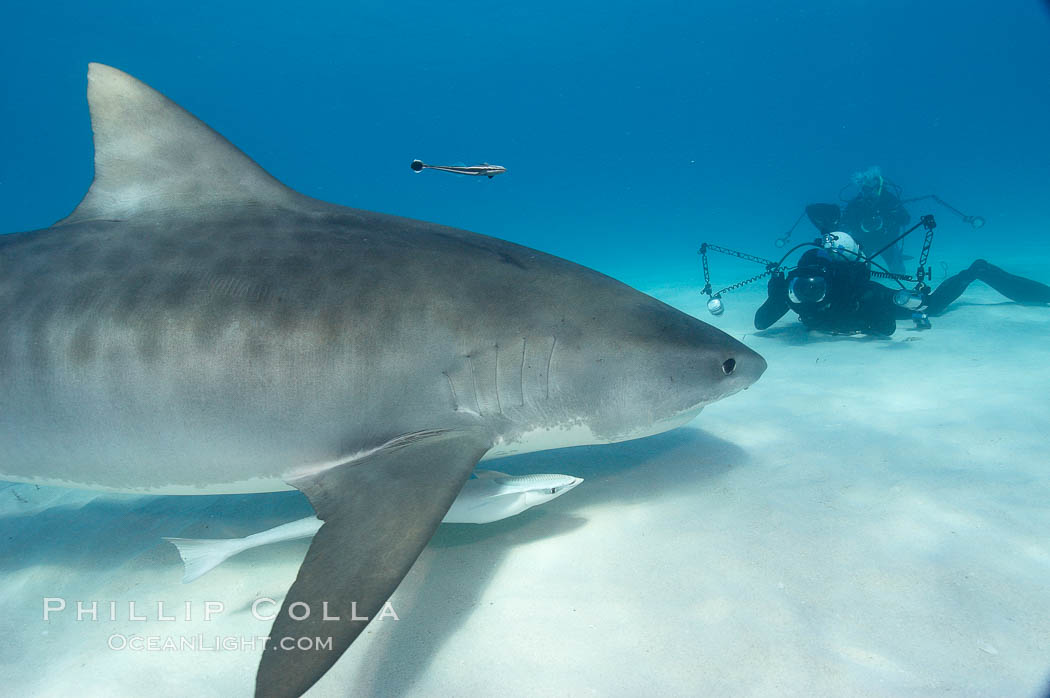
pixel 869 519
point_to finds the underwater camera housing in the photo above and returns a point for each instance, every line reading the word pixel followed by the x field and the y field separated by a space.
pixel 807 287
pixel 842 245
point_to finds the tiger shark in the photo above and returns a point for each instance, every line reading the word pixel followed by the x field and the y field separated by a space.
pixel 194 326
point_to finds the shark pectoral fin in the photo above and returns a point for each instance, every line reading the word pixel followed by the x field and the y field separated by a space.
pixel 378 512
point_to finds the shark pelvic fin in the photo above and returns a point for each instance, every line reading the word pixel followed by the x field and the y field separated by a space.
pixel 151 154
pixel 379 512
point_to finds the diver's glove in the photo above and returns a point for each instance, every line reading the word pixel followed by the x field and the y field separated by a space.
pixel 778 286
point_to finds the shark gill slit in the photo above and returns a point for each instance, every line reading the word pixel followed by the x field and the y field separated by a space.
pixel 550 358
pixel 521 372
pixel 452 389
pixel 474 382
pixel 495 376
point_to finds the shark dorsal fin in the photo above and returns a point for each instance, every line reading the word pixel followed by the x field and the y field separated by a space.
pixel 151 154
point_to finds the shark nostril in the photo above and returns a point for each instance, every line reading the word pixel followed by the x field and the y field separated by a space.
pixel 728 366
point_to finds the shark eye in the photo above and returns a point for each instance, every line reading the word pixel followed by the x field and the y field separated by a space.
pixel 554 490
pixel 728 366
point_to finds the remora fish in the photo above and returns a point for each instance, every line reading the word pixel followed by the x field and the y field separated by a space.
pixel 194 326
pixel 487 497
pixel 486 169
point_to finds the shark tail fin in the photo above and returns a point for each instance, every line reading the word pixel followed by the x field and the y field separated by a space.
pixel 201 555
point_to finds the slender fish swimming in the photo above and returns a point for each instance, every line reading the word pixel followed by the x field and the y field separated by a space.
pixel 484 168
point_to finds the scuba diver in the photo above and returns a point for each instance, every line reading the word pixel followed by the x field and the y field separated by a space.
pixel 873 217
pixel 832 290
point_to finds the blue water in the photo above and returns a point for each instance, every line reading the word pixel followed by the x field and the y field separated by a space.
pixel 631 132
pixel 869 520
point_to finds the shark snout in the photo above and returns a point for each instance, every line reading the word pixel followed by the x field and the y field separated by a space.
pixel 744 366
pixel 705 374
pixel 709 363
pixel 675 365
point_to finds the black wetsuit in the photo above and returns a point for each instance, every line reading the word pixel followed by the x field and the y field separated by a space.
pixel 875 220
pixel 854 303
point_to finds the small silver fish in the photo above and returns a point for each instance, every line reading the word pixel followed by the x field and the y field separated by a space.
pixel 488 496
pixel 484 168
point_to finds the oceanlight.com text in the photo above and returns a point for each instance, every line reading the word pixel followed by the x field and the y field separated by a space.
pixel 214 643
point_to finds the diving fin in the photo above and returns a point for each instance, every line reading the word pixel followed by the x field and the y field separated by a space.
pixel 824 217
pixel 379 512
